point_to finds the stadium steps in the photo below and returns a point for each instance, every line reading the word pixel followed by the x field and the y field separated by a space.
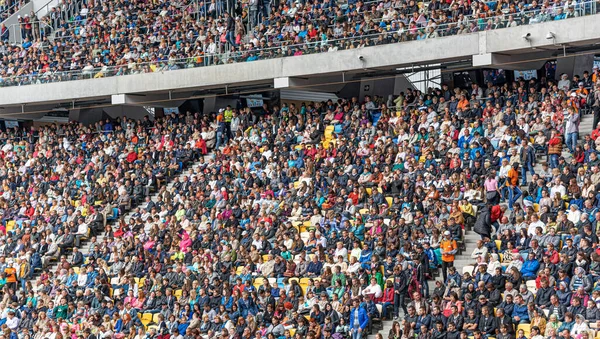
pixel 85 244
pixel 461 260
pixel 585 128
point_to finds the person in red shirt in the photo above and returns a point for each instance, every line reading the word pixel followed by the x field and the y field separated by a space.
pixel 387 299
pixel 595 133
pixel 354 196
pixel 497 212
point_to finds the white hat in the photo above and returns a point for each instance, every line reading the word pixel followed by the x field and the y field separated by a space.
pixel 447 233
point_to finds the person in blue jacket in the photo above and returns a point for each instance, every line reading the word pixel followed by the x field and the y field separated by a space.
pixel 520 314
pixel 358 320
pixel 530 267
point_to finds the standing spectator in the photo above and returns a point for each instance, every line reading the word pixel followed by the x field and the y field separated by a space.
pixel 448 248
pixel 358 320
pixel 527 156
pixel 572 128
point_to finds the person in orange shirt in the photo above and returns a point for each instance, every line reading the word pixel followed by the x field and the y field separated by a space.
pixel 448 248
pixel 463 103
pixel 11 275
pixel 512 185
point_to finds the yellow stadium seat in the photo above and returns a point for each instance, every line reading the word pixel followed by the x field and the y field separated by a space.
pixel 526 329
pixel 536 208
pixel 303 287
pixel 498 244
pixel 292 332
pixel 296 184
pixel 258 281
pixel 329 132
pixel 364 211
pixel 178 293
pixel 369 190
pixel 239 270
pixel 76 270
pixel 10 225
pixel 155 318
pixel 389 200
pixel 146 318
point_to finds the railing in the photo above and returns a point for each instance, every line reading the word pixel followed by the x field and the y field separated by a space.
pixel 284 49
pixel 8 11
pixel 46 27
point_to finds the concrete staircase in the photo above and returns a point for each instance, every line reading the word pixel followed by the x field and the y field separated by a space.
pixel 85 245
pixel 461 260
pixel 585 128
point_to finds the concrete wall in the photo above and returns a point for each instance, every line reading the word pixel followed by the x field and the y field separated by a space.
pixel 506 41
pixel 42 7
pixel 575 65
pixel 401 83
pixel 381 87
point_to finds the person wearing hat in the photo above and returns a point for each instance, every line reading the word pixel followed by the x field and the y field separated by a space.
pixel 448 247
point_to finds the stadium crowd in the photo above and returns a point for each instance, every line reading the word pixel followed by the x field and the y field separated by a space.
pixel 314 221
pixel 106 38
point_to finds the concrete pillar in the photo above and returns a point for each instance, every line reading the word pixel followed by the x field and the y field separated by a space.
pixel 574 65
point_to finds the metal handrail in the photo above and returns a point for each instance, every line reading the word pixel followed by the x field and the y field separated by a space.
pixel 8 10
pixel 201 59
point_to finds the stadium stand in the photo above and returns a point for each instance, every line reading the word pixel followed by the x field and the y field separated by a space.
pixel 82 40
pixel 456 213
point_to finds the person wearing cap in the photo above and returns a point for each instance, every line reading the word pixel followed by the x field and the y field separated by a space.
pixel 448 247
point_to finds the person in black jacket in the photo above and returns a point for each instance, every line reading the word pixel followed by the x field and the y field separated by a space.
pixel 557 308
pixel 401 280
pixel 483 224
pixel 487 322
pixel 452 333
pixel 504 320
pixel 456 319
pixel 504 332
pixel 542 297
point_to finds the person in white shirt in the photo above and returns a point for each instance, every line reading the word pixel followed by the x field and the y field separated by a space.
pixel 82 231
pixel 574 214
pixel 535 223
pixel 341 251
pixel 559 188
pixel 11 321
pixel 374 289
pixel 579 327
pixel 479 251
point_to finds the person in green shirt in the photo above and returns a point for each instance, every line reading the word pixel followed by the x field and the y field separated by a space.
pixel 60 311
pixel 338 275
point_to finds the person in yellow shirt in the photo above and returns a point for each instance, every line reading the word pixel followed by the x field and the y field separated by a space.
pixel 448 248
